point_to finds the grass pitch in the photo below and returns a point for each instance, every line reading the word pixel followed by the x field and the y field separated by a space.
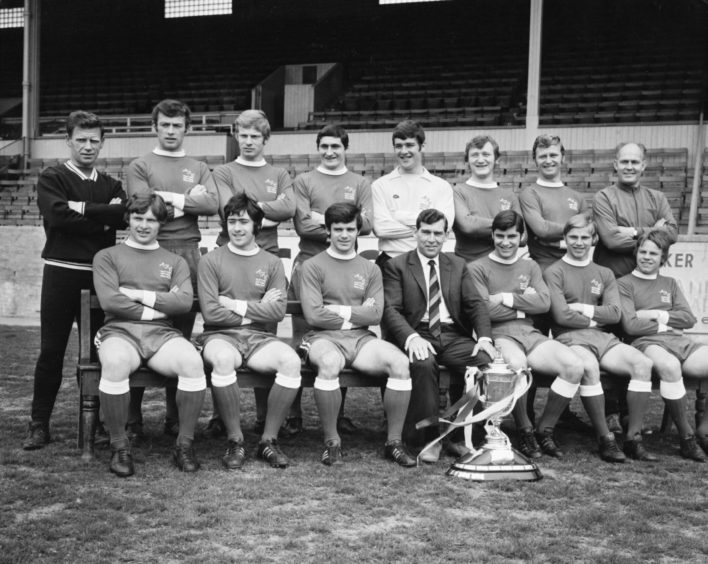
pixel 54 508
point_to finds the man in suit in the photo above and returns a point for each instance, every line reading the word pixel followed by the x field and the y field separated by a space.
pixel 431 309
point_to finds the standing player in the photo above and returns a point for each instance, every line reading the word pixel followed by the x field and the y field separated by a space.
pixel 141 286
pixel 584 301
pixel 654 315
pixel 432 311
pixel 514 290
pixel 626 210
pixel 341 295
pixel 330 183
pixel 185 184
pixel 479 200
pixel 402 194
pixel 81 209
pixel 242 291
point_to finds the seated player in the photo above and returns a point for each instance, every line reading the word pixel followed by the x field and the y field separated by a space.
pixel 342 294
pixel 654 316
pixel 514 289
pixel 140 287
pixel 242 293
pixel 584 301
pixel 479 200
pixel 432 310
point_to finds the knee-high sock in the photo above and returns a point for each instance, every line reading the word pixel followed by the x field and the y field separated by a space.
pixel 136 405
pixel 593 399
pixel 521 415
pixel 559 397
pixel 115 403
pixel 328 398
pixel 396 398
pixel 190 397
pixel 296 406
pixel 344 399
pixel 674 395
pixel 280 399
pixel 171 413
pixel 224 389
pixel 638 393
pixel 261 397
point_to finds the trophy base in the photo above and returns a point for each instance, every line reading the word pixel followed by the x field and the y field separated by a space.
pixel 487 465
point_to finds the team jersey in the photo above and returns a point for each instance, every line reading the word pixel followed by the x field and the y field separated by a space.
pixel 475 208
pixel 573 282
pixel 227 272
pixel 161 172
pixel 331 280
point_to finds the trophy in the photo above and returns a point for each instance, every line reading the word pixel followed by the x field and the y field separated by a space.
pixel 497 388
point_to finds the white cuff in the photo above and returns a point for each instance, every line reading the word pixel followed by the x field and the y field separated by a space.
pixel 245 321
pixel 240 307
pixel 345 312
pixel 663 317
pixel 488 339
pixel 672 390
pixel 177 213
pixel 592 323
pixel 588 311
pixel 326 385
pixel 178 201
pixel 520 315
pixel 165 195
pixel 191 384
pixel 148 314
pixel 409 339
pixel 564 388
pixel 114 388
pixel 507 299
pixel 639 386
pixel 223 380
pixel 591 390
pixel 399 384
pixel 291 382
pixel 346 325
pixel 149 298
pixel 662 328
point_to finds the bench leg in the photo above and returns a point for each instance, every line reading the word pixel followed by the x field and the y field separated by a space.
pixel 87 426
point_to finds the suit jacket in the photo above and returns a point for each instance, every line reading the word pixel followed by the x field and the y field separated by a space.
pixel 406 297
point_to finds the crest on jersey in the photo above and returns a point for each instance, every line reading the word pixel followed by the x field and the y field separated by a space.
pixel 504 204
pixel 523 282
pixel 426 203
pixel 188 175
pixel 349 193
pixel 665 296
pixel 261 278
pixel 573 204
pixel 165 270
pixel 596 287
pixel 271 186
pixel 359 282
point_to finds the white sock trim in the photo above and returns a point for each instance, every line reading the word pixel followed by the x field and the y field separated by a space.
pixel 672 390
pixel 399 384
pixel 639 386
pixel 591 390
pixel 563 388
pixel 191 384
pixel 326 385
pixel 223 380
pixel 114 388
pixel 291 382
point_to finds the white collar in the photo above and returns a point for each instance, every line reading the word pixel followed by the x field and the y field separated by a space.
pixel 574 262
pixel 254 164
pixel 548 184
pixel 135 245
pixel 425 174
pixel 241 252
pixel 643 276
pixel 174 154
pixel 334 254
pixel 338 172
pixel 495 258
pixel 425 260
pixel 75 169
pixel 476 184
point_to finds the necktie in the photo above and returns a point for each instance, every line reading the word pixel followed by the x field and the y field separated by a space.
pixel 434 298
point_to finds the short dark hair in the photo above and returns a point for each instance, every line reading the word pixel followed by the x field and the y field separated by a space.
pixel 660 238
pixel 579 221
pixel 409 129
pixel 83 120
pixel 544 141
pixel 430 216
pixel 333 130
pixel 240 203
pixel 141 203
pixel 255 119
pixel 480 141
pixel 172 108
pixel 507 219
pixel 343 212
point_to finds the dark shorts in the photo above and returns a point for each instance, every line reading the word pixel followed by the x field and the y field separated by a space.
pixel 596 341
pixel 678 345
pixel 349 342
pixel 246 341
pixel 146 338
pixel 523 334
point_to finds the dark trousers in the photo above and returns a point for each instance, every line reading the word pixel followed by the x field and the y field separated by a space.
pixel 59 307
pixel 453 350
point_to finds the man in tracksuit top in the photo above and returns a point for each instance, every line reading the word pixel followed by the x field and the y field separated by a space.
pixel 81 209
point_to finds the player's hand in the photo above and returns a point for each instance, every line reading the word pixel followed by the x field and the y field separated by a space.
pixel 317 217
pixel 76 206
pixel 272 295
pixel 495 299
pixel 369 302
pixel 660 222
pixel 115 201
pixel 198 190
pixel 419 349
pixel 626 231
pixel 135 295
pixel 487 347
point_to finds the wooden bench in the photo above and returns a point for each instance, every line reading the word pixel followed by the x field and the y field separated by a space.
pixel 88 374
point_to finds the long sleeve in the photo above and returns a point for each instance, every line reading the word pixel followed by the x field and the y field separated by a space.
pixel 271 312
pixel 313 307
pixel 53 203
pixel 607 226
pixel 680 315
pixel 180 297
pixel 282 207
pixel 366 206
pixel 105 213
pixel 474 307
pixel 562 314
pixel 480 280
pixel 364 315
pixel 544 229
pixel 213 312
pixel 468 221
pixel 385 225
pixel 610 311
pixel 203 204
pixel 631 324
pixel 394 321
pixel 305 226
pixel 534 303
pixel 136 178
pixel 663 211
